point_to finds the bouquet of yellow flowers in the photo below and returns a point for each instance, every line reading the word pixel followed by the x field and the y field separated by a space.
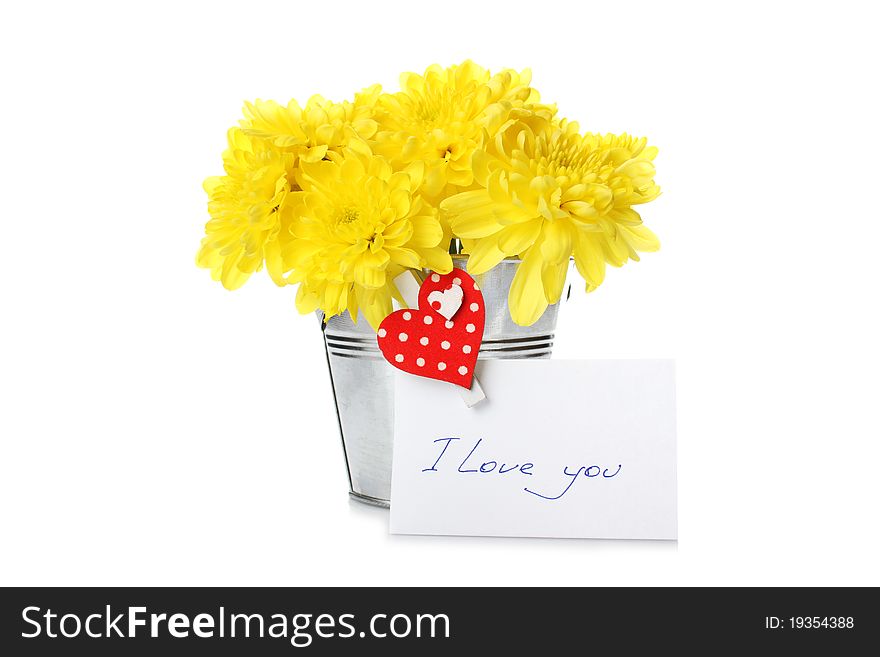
pixel 341 198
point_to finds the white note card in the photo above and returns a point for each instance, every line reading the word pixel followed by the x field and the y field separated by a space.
pixel 560 448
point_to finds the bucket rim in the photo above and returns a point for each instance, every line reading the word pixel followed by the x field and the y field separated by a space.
pixel 465 256
pixel 512 259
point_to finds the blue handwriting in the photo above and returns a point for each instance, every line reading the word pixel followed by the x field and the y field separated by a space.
pixel 470 465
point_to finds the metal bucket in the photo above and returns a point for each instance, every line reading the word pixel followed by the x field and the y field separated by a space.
pixel 363 382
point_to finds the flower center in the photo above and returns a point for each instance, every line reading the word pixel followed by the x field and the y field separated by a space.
pixel 428 109
pixel 348 215
pixel 568 157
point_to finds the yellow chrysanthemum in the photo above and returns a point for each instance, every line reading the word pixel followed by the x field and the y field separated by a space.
pixel 549 192
pixel 248 208
pixel 311 132
pixel 440 118
pixel 359 224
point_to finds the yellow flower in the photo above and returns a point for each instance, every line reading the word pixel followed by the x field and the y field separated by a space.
pixel 360 224
pixel 248 208
pixel 322 126
pixel 440 118
pixel 547 193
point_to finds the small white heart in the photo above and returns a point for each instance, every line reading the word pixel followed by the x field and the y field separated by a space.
pixel 449 300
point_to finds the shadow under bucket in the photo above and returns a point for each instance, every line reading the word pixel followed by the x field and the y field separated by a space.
pixel 363 382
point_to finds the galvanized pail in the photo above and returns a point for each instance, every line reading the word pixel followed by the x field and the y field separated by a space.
pixel 363 382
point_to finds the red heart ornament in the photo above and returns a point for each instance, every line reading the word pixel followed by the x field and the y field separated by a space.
pixel 425 343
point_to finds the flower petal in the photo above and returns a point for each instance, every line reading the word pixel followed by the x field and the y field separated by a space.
pixel 553 280
pixel 427 231
pixel 375 305
pixel 516 238
pixel 556 245
pixel 405 257
pixel 306 300
pixel 589 260
pixel 485 255
pixel 369 268
pixel 314 154
pixel 640 237
pixel 526 298
pixel 400 201
pixel 437 259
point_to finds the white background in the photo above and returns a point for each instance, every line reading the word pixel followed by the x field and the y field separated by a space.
pixel 157 429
